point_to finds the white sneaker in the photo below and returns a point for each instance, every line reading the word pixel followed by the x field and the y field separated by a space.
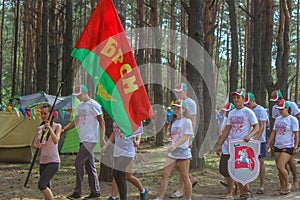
pixel 176 195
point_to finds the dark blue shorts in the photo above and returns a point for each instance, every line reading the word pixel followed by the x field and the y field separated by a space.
pixel 263 150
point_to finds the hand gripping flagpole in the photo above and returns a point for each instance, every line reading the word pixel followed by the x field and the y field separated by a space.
pixel 46 132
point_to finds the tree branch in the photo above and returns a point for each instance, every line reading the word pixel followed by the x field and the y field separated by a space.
pixel 252 17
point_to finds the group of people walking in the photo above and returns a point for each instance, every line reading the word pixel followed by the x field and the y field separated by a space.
pixel 89 119
pixel 246 120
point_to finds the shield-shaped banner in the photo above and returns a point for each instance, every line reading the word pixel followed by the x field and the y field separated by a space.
pixel 244 165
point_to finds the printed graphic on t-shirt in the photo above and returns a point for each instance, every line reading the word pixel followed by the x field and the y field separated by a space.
pixel 117 131
pixel 237 124
pixel 175 134
pixel 281 128
pixel 82 116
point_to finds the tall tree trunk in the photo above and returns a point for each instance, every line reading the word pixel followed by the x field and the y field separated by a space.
pixel 26 27
pixel 195 12
pixel 220 19
pixel 283 48
pixel 257 79
pixel 209 25
pixel 38 47
pixel 53 55
pixel 157 87
pixel 43 75
pixel 1 49
pixel 172 41
pixel 249 47
pixel 183 46
pixel 267 40
pixel 298 53
pixel 67 69
pixel 234 46
pixel 16 41
pixel 140 54
pixel 279 42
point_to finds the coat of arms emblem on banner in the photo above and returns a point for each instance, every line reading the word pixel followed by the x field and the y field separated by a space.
pixel 244 165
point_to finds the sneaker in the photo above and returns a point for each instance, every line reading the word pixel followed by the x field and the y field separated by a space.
pixel 111 198
pixel 176 195
pixel 93 196
pixel 75 195
pixel 144 196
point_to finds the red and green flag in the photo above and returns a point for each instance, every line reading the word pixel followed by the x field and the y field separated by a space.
pixel 106 55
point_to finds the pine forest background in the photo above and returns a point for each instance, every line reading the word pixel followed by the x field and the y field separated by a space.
pixel 254 44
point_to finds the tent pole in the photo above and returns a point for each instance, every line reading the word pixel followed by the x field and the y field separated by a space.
pixel 56 97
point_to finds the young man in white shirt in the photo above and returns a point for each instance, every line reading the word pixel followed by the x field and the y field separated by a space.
pixel 88 119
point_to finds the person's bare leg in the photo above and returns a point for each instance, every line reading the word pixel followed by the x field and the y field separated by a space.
pixel 277 155
pixel 181 184
pixel 169 165
pixel 48 194
pixel 293 168
pixel 262 174
pixel 230 189
pixel 184 167
pixel 282 160
pixel 114 188
pixel 134 181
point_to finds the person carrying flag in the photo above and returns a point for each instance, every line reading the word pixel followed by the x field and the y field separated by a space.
pixel 241 124
pixel 89 117
pixel 49 157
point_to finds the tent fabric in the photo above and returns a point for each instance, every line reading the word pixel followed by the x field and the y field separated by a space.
pixel 27 100
pixel 62 103
pixel 71 142
pixel 16 136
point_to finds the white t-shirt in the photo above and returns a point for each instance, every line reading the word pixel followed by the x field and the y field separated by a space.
pixel 180 128
pixel 261 115
pixel 285 127
pixel 88 125
pixel 191 106
pixel 123 146
pixel 241 122
pixel 294 109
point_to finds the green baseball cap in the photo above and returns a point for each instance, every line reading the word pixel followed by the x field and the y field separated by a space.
pixel 239 92
pixel 249 97
pixel 181 87
pixel 80 89
pixel 276 95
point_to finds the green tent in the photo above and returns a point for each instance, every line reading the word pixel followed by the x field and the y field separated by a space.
pixel 17 133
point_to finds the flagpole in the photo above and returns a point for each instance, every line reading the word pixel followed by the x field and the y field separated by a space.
pixel 45 132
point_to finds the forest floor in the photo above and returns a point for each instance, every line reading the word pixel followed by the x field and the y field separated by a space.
pixel 13 177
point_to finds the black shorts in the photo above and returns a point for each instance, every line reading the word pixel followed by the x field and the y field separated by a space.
pixel 223 166
pixel 285 150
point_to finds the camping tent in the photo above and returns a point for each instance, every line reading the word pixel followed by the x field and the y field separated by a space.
pixel 17 133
